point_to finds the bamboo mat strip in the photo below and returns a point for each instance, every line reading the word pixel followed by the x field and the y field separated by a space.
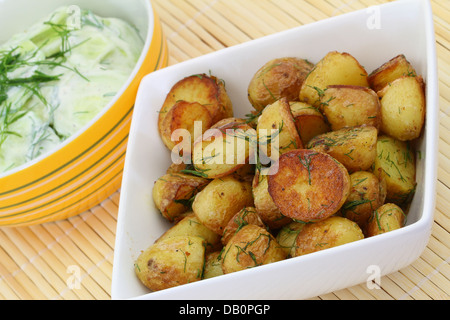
pixel 72 259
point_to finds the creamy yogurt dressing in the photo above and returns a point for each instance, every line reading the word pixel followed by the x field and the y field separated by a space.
pixel 64 76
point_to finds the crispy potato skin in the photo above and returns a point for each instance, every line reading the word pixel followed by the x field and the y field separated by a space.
pixel 244 217
pixel 251 246
pixel 220 200
pixel 171 262
pixel 354 147
pixel 396 163
pixel 403 108
pixel 173 191
pixel 393 69
pixel 335 68
pixel 278 116
pixel 309 120
pixel 278 78
pixel 266 208
pixel 351 106
pixel 194 98
pixel 213 153
pixel 329 233
pixel 309 185
pixel 366 195
pixel 386 218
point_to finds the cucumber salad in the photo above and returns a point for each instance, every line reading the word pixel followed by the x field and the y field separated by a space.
pixel 55 78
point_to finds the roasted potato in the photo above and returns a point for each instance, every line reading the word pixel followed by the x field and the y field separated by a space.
pixel 287 237
pixel 354 147
pixel 329 233
pixel 173 194
pixel 309 121
pixel 393 69
pixel 277 116
pixel 191 226
pixel 224 148
pixel 367 194
pixel 194 98
pixel 171 262
pixel 396 163
pixel 266 208
pixel 213 265
pixel 351 106
pixel 244 217
pixel 251 246
pixel 309 185
pixel 335 68
pixel 220 200
pixel 386 218
pixel 278 78
pixel 403 108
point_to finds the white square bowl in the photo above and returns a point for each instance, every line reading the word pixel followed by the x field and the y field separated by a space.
pixel 373 36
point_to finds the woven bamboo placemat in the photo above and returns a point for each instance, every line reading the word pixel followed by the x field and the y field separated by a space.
pixel 41 262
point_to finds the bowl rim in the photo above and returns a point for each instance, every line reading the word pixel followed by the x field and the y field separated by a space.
pixel 424 221
pixel 150 18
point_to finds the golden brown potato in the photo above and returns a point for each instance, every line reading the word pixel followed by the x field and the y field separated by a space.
pixel 308 120
pixel 277 116
pixel 335 68
pixel 213 265
pixel 171 262
pixel 309 185
pixel 173 194
pixel 367 194
pixel 354 147
pixel 396 163
pixel 278 78
pixel 403 108
pixel 266 208
pixel 251 246
pixel 191 226
pixel 224 148
pixel 287 237
pixel 386 218
pixel 329 233
pixel 196 98
pixel 393 69
pixel 244 217
pixel 220 200
pixel 351 106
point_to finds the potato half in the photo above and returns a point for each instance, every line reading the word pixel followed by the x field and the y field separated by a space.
pixel 278 117
pixel 335 68
pixel 224 148
pixel 367 194
pixel 244 217
pixel 393 69
pixel 396 163
pixel 329 233
pixel 403 108
pixel 276 79
pixel 309 185
pixel 171 262
pixel 220 200
pixel 309 121
pixel 204 99
pixel 386 218
pixel 173 194
pixel 351 106
pixel 354 147
pixel 250 247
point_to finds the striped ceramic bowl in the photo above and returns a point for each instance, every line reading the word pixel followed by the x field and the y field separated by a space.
pixel 87 168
